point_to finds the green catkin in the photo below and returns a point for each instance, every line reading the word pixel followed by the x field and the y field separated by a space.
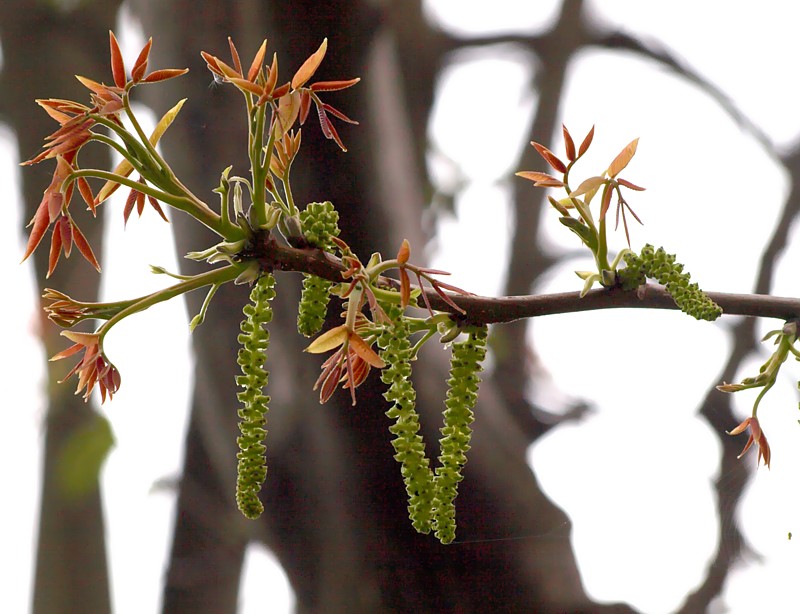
pixel 462 394
pixel 254 339
pixel 319 222
pixel 661 266
pixel 408 444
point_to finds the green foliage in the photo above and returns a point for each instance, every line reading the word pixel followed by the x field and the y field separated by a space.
pixel 254 338
pixel 661 266
pixel 319 222
pixel 408 444
pixel 462 394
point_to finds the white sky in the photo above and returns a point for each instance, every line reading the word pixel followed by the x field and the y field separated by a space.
pixel 635 477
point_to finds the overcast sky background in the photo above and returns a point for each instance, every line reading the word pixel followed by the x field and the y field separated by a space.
pixel 635 477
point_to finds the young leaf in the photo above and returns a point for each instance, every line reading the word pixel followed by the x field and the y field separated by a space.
pixel 623 158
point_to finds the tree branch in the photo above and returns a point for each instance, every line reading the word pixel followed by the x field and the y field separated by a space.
pixel 488 310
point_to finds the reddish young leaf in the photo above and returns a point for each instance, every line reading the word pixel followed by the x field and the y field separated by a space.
pixel 55 253
pixel 258 60
pixel 587 140
pixel 337 113
pixel 404 252
pixel 631 186
pixel 540 179
pixel 332 86
pixel 606 202
pixel 84 248
pixel 140 66
pixel 623 158
pixel 405 288
pixel 129 203
pixel 237 63
pixel 247 86
pixel 164 74
pixel 309 67
pixel 550 157
pixel 86 194
pixel 212 63
pixel 365 352
pixel 569 144
pixel 305 105
pixel 40 222
pixel 117 66
pixel 282 90
pixel 64 228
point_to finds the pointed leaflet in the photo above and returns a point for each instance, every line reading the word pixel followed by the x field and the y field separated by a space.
pixel 569 144
pixel 140 66
pixel 550 157
pixel 124 168
pixel 587 141
pixel 588 185
pixel 309 67
pixel 257 61
pixel 623 158
pixel 117 66
pixel 540 179
pixel 328 340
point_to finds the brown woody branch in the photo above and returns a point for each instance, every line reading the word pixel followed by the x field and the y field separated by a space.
pixel 488 310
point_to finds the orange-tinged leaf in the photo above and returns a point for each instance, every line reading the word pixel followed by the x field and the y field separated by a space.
pixel 366 353
pixel 588 185
pixel 587 141
pixel 623 158
pixel 247 86
pixel 540 179
pixel 117 65
pixel 305 105
pixel 404 252
pixel 606 202
pixel 405 288
pixel 84 248
pixel 92 85
pixel 164 74
pixel 332 86
pixel 328 340
pixel 212 63
pixel 309 67
pixel 569 144
pixel 630 186
pixel 140 66
pixel 281 90
pixel 55 252
pixel 257 61
pixel 237 63
pixel 550 157
pixel 288 109
pixel 41 222
pixel 86 193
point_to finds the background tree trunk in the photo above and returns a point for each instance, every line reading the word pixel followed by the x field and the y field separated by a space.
pixel 43 47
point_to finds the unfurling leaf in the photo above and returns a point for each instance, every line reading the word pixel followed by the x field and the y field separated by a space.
pixel 623 158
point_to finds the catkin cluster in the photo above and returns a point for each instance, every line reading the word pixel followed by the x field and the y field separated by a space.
pixel 661 266
pixel 462 394
pixel 408 445
pixel 254 339
pixel 319 222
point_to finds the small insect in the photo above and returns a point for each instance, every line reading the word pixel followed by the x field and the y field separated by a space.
pixel 216 81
